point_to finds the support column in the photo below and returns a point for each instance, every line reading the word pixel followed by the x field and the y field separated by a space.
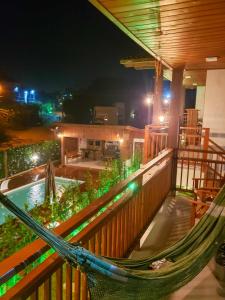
pixel 177 103
pixel 157 101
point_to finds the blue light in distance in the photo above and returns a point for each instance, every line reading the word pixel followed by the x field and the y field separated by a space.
pixel 168 95
pixel 16 89
pixel 32 92
pixel 25 96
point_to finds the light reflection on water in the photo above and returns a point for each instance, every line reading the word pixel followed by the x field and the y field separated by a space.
pixel 30 195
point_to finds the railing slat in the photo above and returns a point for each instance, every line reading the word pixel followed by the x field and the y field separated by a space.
pixel 59 284
pixel 34 295
pixel 68 282
pixel 47 289
pixel 77 284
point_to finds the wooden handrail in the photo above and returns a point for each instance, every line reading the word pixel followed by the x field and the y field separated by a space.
pixel 201 160
pixel 15 263
pixel 199 151
pixel 207 179
pixel 215 144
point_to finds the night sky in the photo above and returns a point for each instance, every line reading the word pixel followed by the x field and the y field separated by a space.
pixel 62 45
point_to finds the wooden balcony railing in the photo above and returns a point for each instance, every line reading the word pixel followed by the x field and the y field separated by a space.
pixel 202 165
pixel 114 226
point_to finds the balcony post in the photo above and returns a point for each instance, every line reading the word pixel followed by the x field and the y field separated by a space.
pixel 177 103
pixel 157 101
pixel 176 111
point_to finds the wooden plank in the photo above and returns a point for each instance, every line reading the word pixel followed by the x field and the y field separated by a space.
pixel 59 284
pixel 68 282
pixel 34 295
pixel 47 289
pixel 77 283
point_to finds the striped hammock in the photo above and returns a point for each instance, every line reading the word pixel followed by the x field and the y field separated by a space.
pixel 110 278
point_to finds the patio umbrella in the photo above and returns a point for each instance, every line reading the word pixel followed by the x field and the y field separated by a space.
pixel 50 188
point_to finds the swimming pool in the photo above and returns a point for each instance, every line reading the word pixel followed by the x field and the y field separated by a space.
pixel 33 193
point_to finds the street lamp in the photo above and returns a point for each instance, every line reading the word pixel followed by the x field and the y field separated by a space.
pixel 149 100
pixel 161 119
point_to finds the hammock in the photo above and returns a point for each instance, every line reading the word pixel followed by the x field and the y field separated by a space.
pixel 110 278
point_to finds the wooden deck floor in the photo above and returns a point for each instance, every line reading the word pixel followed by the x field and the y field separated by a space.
pixel 170 224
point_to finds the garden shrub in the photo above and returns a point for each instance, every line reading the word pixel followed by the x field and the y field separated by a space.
pixel 2 172
pixel 21 158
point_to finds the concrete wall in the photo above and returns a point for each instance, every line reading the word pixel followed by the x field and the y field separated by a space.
pixel 200 101
pixel 214 108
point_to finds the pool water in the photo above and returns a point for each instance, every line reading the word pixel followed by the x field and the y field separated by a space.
pixel 32 194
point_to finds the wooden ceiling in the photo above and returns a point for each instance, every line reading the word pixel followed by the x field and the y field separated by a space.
pixel 181 33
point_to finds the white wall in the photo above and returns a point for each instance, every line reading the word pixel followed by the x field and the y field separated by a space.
pixel 200 100
pixel 214 108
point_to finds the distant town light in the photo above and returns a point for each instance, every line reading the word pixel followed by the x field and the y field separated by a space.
pixel 32 92
pixel 25 96
pixel 132 114
pixel 161 119
pixel 16 89
pixel 34 158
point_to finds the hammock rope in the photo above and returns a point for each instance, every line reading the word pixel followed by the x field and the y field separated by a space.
pixel 116 278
